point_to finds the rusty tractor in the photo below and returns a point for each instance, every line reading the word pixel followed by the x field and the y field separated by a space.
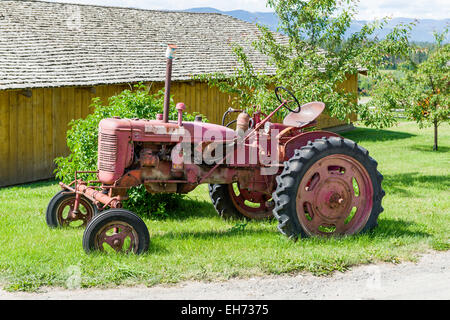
pixel 315 183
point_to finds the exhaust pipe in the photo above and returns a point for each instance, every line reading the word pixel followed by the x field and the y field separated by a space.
pixel 170 53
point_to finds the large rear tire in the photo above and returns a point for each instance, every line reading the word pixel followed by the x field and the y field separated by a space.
pixel 330 187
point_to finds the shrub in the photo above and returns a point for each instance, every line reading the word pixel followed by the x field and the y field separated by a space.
pixel 82 140
pixel 158 205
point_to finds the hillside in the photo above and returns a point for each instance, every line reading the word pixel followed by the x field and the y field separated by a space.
pixel 422 32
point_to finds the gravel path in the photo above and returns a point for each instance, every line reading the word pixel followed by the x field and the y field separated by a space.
pixel 429 278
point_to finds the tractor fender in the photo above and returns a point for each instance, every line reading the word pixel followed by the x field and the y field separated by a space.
pixel 302 140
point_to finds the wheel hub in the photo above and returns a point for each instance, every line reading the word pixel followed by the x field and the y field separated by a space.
pixel 330 197
pixel 66 213
pixel 326 196
pixel 335 200
pixel 114 235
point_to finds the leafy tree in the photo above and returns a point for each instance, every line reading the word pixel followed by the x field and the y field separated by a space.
pixel 316 56
pixel 419 55
pixel 247 87
pixel 424 89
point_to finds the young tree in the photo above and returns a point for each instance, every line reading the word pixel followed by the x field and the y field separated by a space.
pixel 424 90
pixel 317 55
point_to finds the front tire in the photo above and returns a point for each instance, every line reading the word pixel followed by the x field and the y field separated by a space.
pixel 60 211
pixel 116 230
pixel 330 187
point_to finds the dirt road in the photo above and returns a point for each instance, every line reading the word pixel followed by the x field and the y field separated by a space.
pixel 429 278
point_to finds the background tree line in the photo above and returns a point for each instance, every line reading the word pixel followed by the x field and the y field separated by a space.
pixel 320 53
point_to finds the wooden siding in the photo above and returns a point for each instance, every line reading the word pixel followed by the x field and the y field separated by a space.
pixel 33 129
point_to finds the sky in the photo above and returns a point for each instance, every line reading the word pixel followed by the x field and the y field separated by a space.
pixel 368 9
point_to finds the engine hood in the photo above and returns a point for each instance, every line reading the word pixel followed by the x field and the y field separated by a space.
pixel 156 130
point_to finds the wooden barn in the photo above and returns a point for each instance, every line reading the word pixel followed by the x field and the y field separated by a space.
pixel 54 58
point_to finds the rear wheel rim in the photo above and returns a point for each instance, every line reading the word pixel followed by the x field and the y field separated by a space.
pixel 253 205
pixel 67 217
pixel 118 236
pixel 335 197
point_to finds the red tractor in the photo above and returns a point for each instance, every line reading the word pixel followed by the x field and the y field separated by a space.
pixel 315 183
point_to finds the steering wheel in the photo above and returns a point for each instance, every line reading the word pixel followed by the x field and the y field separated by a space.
pixel 277 89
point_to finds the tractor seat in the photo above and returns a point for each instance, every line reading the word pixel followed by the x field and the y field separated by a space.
pixel 308 113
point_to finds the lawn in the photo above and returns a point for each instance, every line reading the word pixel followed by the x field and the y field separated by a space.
pixel 195 244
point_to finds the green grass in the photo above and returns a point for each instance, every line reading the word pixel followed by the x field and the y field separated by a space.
pixel 194 244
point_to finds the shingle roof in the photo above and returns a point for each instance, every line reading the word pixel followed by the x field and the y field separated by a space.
pixel 46 44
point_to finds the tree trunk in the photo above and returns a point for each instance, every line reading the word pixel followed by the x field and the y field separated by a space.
pixel 435 147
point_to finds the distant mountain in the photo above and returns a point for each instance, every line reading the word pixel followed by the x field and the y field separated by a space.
pixel 422 32
pixel 267 18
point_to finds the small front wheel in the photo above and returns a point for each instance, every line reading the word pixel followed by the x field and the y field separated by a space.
pixel 116 230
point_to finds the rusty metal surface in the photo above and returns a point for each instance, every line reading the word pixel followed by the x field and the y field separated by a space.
pixel 93 194
pixel 302 139
pixel 252 204
pixel 308 113
pixel 243 122
pixel 167 90
pixel 330 191
pixel 148 158
pixel 180 108
pixel 171 49
pixel 115 152
pixel 244 139
pixel 74 210
pixel 115 234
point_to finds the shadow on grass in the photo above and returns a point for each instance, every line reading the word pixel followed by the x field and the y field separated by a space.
pixel 192 208
pixel 187 208
pixel 392 228
pixel 401 182
pixel 156 248
pixel 367 134
pixel 429 148
pixel 33 185
pixel 214 234
pixel 387 228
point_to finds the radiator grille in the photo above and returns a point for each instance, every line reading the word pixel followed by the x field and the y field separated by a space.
pixel 107 153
